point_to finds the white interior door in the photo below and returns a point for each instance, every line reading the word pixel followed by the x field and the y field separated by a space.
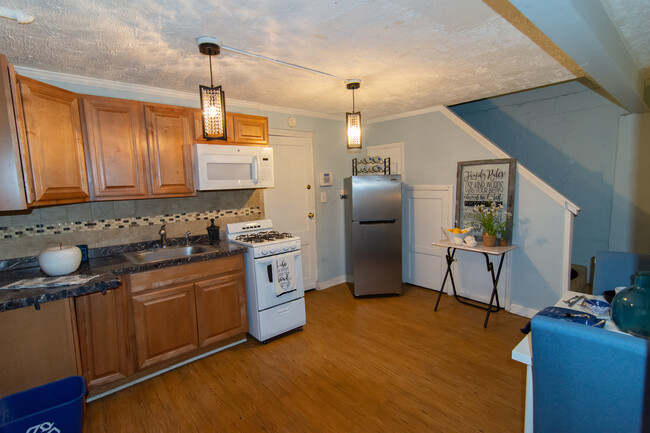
pixel 427 208
pixel 291 201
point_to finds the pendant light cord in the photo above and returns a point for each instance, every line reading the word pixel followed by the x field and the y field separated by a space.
pixel 353 100
pixel 211 84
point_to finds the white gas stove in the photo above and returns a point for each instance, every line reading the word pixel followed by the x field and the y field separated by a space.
pixel 274 283
pixel 261 239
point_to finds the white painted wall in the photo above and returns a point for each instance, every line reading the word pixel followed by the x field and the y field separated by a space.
pixel 630 224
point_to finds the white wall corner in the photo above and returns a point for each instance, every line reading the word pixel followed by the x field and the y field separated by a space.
pixel 322 285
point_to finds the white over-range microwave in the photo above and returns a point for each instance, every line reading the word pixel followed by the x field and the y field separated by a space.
pixel 223 166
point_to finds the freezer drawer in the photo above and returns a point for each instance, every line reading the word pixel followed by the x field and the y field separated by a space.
pixel 377 257
pixel 280 319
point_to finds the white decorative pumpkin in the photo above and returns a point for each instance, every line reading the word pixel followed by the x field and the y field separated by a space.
pixel 60 260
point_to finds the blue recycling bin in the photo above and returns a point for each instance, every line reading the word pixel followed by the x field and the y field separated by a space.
pixel 55 407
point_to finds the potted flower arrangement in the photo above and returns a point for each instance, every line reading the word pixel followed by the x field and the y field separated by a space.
pixel 489 219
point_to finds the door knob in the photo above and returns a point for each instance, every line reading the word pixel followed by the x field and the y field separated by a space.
pixel 310 215
pixel 308 186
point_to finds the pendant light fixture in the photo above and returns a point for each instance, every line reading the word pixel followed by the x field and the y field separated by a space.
pixel 353 119
pixel 213 100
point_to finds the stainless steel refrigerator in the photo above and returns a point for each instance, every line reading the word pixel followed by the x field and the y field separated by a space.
pixel 374 233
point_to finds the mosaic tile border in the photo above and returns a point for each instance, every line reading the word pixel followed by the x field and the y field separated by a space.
pixel 15 232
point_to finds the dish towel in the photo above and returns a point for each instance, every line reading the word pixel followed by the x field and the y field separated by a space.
pixel 284 275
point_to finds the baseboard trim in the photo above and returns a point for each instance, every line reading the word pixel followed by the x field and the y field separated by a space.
pixel 522 311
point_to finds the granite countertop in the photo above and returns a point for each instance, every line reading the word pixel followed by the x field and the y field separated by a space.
pixel 108 264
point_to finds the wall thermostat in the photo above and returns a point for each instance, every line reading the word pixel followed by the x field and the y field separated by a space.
pixel 326 179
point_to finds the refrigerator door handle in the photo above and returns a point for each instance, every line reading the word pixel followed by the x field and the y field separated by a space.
pixel 388 221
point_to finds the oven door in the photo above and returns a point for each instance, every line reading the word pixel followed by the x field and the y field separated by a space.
pixel 278 279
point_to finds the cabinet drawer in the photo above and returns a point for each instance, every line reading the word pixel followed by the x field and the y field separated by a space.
pixel 282 318
pixel 160 278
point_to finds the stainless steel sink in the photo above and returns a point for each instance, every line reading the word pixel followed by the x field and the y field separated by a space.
pixel 167 253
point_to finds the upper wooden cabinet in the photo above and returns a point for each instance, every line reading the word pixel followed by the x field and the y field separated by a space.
pixel 52 148
pixel 242 129
pixel 12 193
pixel 169 143
pixel 116 148
pixel 137 150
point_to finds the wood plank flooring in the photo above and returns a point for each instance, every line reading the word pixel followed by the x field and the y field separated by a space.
pixel 385 364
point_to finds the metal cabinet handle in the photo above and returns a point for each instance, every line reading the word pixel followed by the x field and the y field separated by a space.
pixel 310 215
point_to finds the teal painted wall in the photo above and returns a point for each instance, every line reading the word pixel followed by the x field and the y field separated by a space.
pixel 567 135
pixel 433 145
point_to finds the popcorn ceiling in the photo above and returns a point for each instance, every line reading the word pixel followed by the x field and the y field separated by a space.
pixel 409 54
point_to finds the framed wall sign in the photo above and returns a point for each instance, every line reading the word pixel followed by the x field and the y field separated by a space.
pixel 481 182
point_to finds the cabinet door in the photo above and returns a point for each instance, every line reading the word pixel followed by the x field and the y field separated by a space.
pixel 169 143
pixel 165 324
pixel 50 123
pixel 198 130
pixel 115 142
pixel 221 308
pixel 12 193
pixel 250 129
pixel 103 337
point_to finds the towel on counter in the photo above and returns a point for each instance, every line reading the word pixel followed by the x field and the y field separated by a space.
pixel 284 275
pixel 67 280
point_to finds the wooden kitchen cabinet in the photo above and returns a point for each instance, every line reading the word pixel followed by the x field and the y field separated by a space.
pixel 242 129
pixel 165 324
pixel 180 309
pixel 169 144
pixel 221 308
pixel 12 193
pixel 37 346
pixel 104 338
pixel 116 148
pixel 51 147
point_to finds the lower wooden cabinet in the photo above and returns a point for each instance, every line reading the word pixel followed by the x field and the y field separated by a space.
pixel 165 324
pixel 221 308
pixel 102 324
pixel 159 316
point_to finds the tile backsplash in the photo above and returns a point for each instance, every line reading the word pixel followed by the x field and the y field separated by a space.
pixel 100 224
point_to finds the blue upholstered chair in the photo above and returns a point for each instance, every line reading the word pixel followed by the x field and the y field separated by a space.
pixel 588 379
pixel 615 269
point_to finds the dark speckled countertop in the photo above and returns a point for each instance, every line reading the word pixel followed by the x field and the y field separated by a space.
pixel 107 263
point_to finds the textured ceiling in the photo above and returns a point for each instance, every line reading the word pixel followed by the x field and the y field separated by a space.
pixel 410 54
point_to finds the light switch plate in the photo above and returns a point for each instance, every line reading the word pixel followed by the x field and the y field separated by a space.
pixel 323 197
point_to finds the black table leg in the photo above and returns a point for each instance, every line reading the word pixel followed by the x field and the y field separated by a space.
pixel 450 259
pixel 495 282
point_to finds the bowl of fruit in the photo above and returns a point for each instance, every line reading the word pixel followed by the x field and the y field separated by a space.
pixel 457 233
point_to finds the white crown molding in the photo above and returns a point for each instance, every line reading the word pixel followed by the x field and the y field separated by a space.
pixel 189 99
pixel 407 114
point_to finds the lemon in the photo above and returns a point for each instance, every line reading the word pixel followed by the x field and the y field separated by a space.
pixel 456 230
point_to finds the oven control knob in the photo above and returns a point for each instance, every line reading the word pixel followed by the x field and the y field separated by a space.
pixel 272 250
pixel 264 252
pixel 293 246
pixel 285 248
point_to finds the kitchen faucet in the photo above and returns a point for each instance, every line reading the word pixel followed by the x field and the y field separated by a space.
pixel 187 238
pixel 163 237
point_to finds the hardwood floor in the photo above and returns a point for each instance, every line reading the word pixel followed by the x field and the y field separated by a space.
pixel 385 364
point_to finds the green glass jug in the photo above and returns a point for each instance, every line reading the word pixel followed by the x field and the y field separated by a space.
pixel 631 307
